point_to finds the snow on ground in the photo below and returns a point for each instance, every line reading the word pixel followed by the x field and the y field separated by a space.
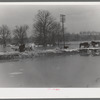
pixel 28 54
pixel 34 53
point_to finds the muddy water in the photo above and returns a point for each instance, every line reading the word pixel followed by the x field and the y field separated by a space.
pixel 54 71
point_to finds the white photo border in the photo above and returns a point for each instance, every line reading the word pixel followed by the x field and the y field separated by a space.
pixel 26 93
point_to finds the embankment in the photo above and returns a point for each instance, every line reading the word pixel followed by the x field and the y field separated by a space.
pixel 31 54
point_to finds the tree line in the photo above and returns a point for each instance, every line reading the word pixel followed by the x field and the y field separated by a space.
pixel 46 30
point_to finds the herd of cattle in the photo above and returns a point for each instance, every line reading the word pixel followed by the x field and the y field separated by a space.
pixel 90 51
pixel 30 47
pixel 87 44
pixel 23 47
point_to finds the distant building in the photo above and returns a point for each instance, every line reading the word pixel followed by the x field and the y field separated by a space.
pixel 90 33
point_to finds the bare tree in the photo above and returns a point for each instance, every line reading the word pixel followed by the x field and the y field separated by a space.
pixel 55 30
pixel 43 22
pixel 20 34
pixel 4 34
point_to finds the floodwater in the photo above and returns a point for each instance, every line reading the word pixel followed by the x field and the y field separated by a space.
pixel 51 71
pixel 54 71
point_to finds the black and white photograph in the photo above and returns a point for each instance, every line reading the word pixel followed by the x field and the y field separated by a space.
pixel 49 45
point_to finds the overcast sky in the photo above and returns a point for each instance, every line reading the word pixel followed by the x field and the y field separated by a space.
pixel 78 18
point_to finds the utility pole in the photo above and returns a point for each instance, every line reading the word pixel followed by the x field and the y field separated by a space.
pixel 62 19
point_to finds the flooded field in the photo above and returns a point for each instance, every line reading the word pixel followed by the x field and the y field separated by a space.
pixel 51 71
pixel 58 71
